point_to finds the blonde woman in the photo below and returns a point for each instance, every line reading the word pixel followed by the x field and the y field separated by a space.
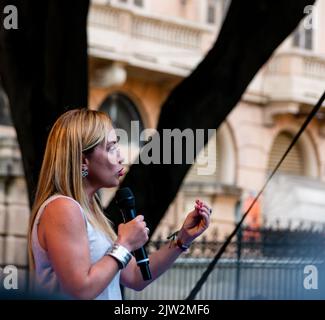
pixel 73 249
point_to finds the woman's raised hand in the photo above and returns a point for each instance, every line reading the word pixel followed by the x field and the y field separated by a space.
pixel 196 222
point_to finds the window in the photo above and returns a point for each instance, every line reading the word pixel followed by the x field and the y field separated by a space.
pixel 124 114
pixel 211 12
pixel 303 37
pixel 216 10
pixel 137 3
pixel 293 194
pixel 294 162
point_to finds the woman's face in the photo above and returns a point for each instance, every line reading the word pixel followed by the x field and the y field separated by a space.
pixel 104 164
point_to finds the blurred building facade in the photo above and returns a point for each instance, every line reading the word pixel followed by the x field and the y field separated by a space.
pixel 139 50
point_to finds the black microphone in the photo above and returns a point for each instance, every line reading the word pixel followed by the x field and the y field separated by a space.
pixel 126 203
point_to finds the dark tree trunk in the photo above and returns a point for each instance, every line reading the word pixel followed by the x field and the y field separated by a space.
pixel 43 68
pixel 250 34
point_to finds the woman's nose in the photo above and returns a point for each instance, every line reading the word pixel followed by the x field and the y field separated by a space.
pixel 120 157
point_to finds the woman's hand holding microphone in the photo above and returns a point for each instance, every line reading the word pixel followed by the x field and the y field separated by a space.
pixel 133 234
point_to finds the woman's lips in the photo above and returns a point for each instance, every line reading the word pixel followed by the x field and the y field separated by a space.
pixel 121 172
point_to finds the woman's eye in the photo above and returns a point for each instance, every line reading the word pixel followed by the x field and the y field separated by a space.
pixel 113 147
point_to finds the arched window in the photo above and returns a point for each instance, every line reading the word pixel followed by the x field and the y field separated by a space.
pixel 124 114
pixel 294 162
pixel 294 195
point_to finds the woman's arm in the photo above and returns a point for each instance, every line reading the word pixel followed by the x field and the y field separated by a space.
pixel 194 225
pixel 65 239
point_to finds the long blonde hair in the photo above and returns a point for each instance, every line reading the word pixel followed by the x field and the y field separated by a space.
pixel 74 132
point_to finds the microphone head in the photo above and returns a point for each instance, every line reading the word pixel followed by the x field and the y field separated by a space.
pixel 125 198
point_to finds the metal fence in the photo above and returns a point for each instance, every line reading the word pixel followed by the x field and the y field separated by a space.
pixel 273 265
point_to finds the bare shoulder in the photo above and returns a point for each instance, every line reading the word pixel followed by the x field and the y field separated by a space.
pixel 62 212
pixel 61 219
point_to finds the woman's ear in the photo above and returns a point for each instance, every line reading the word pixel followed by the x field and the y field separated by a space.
pixel 85 161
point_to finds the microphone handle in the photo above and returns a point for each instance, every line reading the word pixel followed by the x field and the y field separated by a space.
pixel 143 263
pixel 140 254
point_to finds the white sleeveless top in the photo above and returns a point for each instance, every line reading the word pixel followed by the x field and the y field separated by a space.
pixel 99 243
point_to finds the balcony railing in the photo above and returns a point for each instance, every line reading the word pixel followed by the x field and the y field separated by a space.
pixel 169 44
pixel 314 67
pixel 295 76
pixel 104 16
pixel 168 33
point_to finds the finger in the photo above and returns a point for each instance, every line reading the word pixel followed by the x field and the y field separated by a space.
pixel 205 216
pixel 139 217
pixel 203 206
pixel 198 203
pixel 207 207
pixel 197 209
pixel 201 203
pixel 207 210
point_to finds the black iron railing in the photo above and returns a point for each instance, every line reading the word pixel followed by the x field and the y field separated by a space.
pixel 260 264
